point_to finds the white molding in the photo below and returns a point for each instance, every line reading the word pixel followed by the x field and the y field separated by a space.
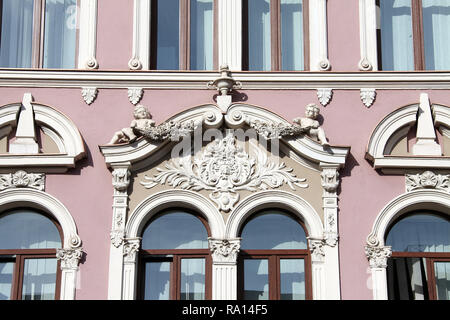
pixel 426 144
pixel 27 197
pixel 441 115
pixel 54 121
pixel 141 36
pixel 195 80
pixel 230 33
pixel 368 35
pixel 318 38
pixel 87 43
pixel 407 202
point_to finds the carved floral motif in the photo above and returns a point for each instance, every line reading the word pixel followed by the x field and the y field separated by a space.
pixel 22 179
pixel 368 96
pixel 89 94
pixel 69 257
pixel 324 95
pixel 316 248
pixel 378 256
pixel 427 179
pixel 135 95
pixel 224 169
pixel 130 248
pixel 224 250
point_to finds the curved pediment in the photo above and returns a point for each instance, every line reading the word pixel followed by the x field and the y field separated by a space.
pixel 237 116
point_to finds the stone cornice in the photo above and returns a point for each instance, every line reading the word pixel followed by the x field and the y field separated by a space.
pixel 197 79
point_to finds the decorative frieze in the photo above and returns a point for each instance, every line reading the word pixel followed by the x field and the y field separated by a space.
pixel 135 95
pixel 378 256
pixel 69 258
pixel 89 94
pixel 427 180
pixel 324 95
pixel 224 251
pixel 367 96
pixel 22 179
pixel 224 169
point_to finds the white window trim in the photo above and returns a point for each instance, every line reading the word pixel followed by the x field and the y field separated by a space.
pixel 87 43
pixel 419 199
pixel 368 35
pixel 71 251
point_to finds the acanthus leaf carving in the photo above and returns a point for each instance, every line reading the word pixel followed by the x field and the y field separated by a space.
pixel 22 179
pixel 69 257
pixel 135 95
pixel 316 246
pixel 130 249
pixel 324 95
pixel 117 237
pixel 368 96
pixel 89 94
pixel 224 169
pixel 427 180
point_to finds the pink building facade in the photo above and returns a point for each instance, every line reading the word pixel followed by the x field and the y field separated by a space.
pixel 387 159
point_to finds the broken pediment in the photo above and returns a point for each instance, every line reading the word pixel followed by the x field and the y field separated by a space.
pixel 36 135
pixel 414 136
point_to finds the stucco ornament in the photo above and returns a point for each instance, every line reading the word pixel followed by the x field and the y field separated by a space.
pixel 142 125
pixel 224 250
pixel 224 169
pixel 69 257
pixel 316 248
pixel 135 95
pixel 367 96
pixel 302 125
pixel 324 95
pixel 89 94
pixel 427 179
pixel 378 256
pixel 22 179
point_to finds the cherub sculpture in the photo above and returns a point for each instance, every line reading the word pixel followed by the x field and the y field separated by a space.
pixel 310 125
pixel 142 120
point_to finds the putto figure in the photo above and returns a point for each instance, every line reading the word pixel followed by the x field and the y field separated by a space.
pixel 310 125
pixel 142 120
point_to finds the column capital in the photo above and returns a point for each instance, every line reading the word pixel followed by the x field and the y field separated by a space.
pixel 224 251
pixel 378 255
pixel 69 258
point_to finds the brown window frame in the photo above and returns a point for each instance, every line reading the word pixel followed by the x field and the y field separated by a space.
pixel 418 36
pixel 430 258
pixel 37 47
pixel 18 256
pixel 273 256
pixel 184 35
pixel 174 256
pixel 275 36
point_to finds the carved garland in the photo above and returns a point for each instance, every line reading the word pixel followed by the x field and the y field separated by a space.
pixel 223 168
pixel 168 130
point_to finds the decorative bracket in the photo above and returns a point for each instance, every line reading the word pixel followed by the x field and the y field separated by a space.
pixel 324 95
pixel 135 95
pixel 368 96
pixel 89 94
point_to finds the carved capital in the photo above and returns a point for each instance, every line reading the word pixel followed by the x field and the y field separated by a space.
pixel 117 238
pixel 331 239
pixel 69 258
pixel 316 248
pixel 427 180
pixel 378 256
pixel 224 251
pixel 330 179
pixel 130 249
pixel 22 179
pixel 121 178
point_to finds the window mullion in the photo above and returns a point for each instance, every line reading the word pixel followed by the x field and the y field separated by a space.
pixel 174 279
pixel 306 35
pixel 417 24
pixel 275 30
pixel 184 34
pixel 36 44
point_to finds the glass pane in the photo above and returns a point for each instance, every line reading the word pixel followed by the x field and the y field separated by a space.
pixel 25 229
pixel 6 278
pixel 60 33
pixel 396 35
pixel 192 285
pixel 157 280
pixel 436 23
pixel 167 35
pixel 259 45
pixel 420 233
pixel 292 279
pixel 292 35
pixel 201 34
pixel 256 279
pixel 273 230
pixel 39 279
pixel 175 230
pixel 407 279
pixel 442 274
pixel 16 34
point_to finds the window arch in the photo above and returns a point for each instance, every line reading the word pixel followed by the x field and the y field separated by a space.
pixel 274 260
pixel 420 264
pixel 175 260
pixel 28 266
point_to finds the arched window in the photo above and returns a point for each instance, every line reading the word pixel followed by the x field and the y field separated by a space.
pixel 420 264
pixel 28 264
pixel 175 259
pixel 274 260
